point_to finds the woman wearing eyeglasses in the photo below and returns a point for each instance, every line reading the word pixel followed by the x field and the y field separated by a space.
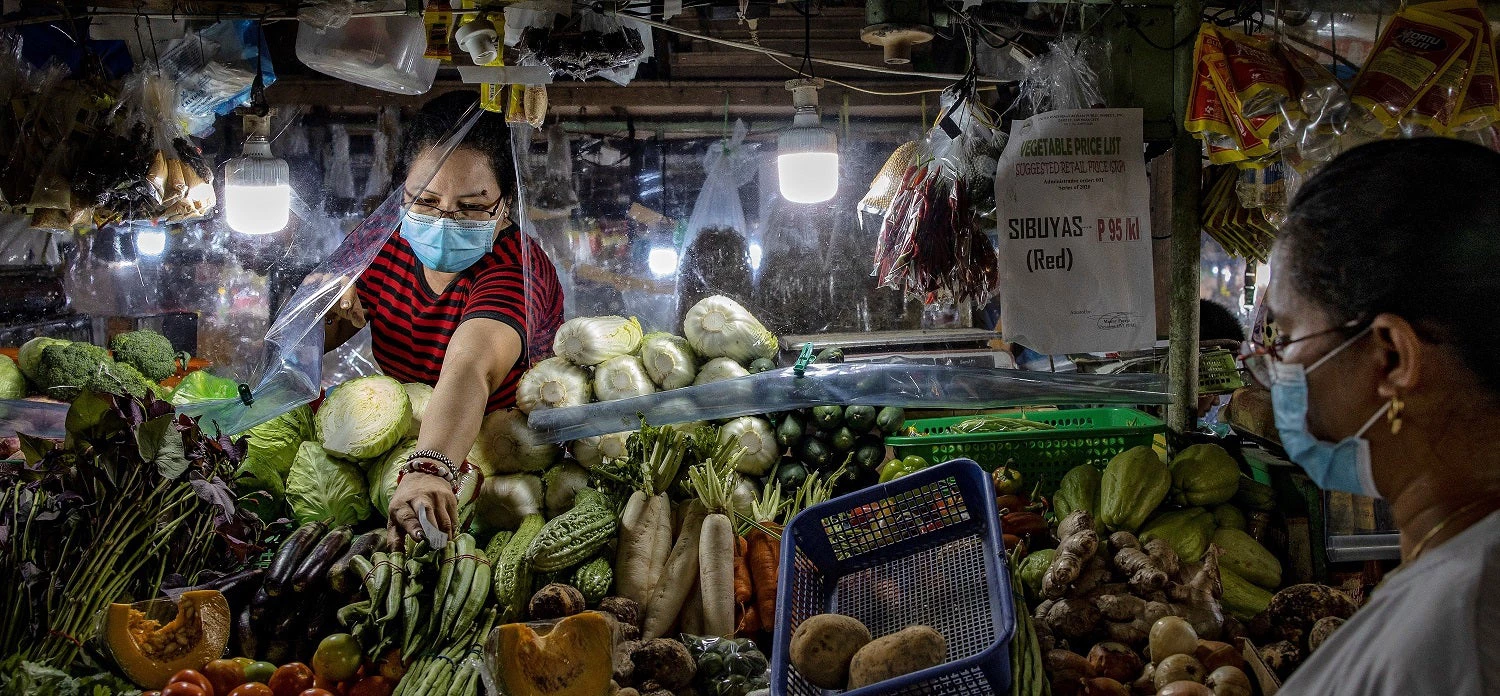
pixel 452 300
pixel 1385 383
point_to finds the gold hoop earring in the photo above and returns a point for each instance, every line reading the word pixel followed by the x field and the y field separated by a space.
pixel 1393 416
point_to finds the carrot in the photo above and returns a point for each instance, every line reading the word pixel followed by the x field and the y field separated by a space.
pixel 742 585
pixel 677 578
pixel 716 574
pixel 749 622
pixel 763 558
pixel 637 543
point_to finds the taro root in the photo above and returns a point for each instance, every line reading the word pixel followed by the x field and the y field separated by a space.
pixel 663 661
pixel 1321 631
pixel 1114 661
pixel 1281 657
pixel 624 609
pixel 555 601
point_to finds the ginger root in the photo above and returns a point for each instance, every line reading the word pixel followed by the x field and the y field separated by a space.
pixel 1076 550
pixel 1166 558
pixel 1145 574
pixel 1121 607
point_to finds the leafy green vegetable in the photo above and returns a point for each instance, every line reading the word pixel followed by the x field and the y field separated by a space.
pixel 323 489
pixel 270 448
pixel 200 385
pixel 383 474
pixel 65 370
pixel 21 678
pixel 31 354
pixel 12 382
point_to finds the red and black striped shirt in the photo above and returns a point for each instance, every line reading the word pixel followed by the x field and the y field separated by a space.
pixel 410 326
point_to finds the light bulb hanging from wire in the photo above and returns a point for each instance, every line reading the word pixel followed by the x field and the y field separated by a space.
pixel 807 154
pixel 257 185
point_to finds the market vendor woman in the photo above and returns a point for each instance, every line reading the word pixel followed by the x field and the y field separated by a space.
pixel 448 302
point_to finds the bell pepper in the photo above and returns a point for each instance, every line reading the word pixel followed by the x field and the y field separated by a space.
pixel 896 468
pixel 1006 480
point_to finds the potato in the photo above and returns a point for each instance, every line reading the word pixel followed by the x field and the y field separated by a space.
pixel 908 650
pixel 823 645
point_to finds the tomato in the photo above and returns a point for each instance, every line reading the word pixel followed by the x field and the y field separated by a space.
pixel 225 675
pixel 150 693
pixel 338 657
pixel 193 676
pixel 186 688
pixel 291 679
pixel 316 692
pixel 243 662
pixel 259 672
pixel 373 686
pixel 251 689
pixel 390 665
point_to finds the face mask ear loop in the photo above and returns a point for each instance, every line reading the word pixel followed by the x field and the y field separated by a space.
pixel 1380 412
pixel 1319 362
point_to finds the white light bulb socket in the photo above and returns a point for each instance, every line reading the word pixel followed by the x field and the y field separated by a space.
pixel 480 39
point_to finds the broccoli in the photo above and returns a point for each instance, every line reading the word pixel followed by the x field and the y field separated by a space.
pixel 65 369
pixel 147 351
pixel 123 379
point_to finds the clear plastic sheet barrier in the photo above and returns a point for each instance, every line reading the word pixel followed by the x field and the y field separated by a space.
pixel 905 385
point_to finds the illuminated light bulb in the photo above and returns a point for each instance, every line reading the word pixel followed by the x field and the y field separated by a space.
pixel 257 186
pixel 150 241
pixel 662 261
pixel 807 160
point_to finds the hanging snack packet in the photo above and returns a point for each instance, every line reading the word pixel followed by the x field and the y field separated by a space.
pixel 1207 116
pixel 1260 79
pixel 1322 103
pixel 1439 104
pixel 1480 105
pixel 1410 56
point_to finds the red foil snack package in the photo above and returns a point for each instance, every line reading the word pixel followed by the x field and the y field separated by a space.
pixel 1412 53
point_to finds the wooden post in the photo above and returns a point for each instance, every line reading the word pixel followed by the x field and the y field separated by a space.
pixel 1182 353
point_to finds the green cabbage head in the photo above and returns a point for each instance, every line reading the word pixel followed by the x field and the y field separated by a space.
pixel 12 382
pixel 270 449
pixel 383 474
pixel 364 418
pixel 321 488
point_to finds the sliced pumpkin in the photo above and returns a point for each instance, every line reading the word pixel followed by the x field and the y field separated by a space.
pixel 571 658
pixel 149 653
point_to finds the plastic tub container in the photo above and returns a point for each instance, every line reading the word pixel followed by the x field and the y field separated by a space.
pixel 380 52
pixel 922 549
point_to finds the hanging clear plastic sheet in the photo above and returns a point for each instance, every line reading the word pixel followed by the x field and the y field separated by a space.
pixel 871 384
pixel 719 256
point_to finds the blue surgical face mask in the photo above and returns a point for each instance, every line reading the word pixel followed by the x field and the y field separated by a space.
pixel 1334 466
pixel 447 245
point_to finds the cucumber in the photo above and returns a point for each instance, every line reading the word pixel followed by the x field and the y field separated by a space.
pixel 290 555
pixel 869 455
pixel 790 431
pixel 760 365
pixel 890 420
pixel 830 355
pixel 790 474
pixel 814 453
pixel 842 439
pixel 860 418
pixel 828 417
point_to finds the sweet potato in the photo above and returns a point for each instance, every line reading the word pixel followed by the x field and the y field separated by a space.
pixel 908 650
pixel 823 645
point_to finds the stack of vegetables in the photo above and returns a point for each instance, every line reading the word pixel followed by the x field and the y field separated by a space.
pixel 134 364
pixel 1153 578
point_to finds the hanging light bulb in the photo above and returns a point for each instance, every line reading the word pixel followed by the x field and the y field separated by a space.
pixel 807 159
pixel 257 187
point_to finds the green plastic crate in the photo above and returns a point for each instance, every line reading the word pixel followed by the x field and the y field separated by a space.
pixel 1082 436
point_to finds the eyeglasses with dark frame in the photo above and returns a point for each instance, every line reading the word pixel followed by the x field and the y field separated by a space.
pixel 1257 356
pixel 468 213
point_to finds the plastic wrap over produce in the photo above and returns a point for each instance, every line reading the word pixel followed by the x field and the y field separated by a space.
pixel 868 384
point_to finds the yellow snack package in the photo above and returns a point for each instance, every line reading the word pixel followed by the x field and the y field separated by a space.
pixel 437 21
pixel 1411 55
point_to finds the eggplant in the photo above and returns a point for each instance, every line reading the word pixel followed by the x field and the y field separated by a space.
pixel 236 587
pixel 341 576
pixel 261 605
pixel 244 633
pixel 315 566
pixel 290 555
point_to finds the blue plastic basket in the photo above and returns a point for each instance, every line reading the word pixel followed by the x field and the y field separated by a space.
pixel 922 549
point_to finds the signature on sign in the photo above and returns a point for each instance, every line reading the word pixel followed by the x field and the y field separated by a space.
pixel 1117 320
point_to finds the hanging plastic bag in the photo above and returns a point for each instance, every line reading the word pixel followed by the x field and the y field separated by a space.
pixel 1067 76
pixel 590 43
pixel 214 70
pixel 717 253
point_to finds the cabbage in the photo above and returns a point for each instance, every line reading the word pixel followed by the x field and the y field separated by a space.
pixel 718 327
pixel 323 489
pixel 553 383
pixel 720 369
pixel 592 340
pixel 594 450
pixel 504 500
pixel 561 483
pixel 364 418
pixel 31 353
pixel 669 360
pixel 383 474
pixel 12 382
pixel 622 377
pixel 419 394
pixel 507 445
pixel 270 448
pixel 759 441
pixel 199 385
